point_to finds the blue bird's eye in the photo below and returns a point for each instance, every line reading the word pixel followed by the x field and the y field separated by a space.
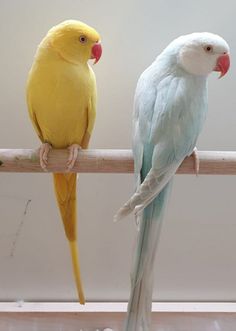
pixel 208 49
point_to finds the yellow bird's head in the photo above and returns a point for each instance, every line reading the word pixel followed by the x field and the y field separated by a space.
pixel 75 41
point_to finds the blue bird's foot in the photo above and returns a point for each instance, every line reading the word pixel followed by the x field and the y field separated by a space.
pixel 196 161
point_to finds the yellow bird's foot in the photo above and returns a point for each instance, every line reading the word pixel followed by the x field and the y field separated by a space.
pixel 43 155
pixel 73 154
pixel 196 161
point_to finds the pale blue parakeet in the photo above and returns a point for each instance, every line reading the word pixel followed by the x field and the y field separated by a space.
pixel 170 107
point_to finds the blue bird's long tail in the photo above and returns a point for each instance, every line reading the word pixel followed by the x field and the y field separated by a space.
pixel 140 302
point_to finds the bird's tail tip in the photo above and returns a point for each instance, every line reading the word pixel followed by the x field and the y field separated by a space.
pixel 122 213
pixel 76 269
pixel 117 217
pixel 82 301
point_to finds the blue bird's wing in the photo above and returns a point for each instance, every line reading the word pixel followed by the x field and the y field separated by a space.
pixel 167 120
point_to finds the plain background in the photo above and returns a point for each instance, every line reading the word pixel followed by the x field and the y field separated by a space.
pixel 196 254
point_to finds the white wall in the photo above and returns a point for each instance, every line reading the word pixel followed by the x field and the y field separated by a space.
pixel 196 256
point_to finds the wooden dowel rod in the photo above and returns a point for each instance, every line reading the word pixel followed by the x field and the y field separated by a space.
pixel 109 161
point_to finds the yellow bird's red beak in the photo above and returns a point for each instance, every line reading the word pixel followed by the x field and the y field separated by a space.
pixel 96 52
pixel 222 64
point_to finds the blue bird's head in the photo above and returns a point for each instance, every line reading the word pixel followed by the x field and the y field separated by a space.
pixel 201 53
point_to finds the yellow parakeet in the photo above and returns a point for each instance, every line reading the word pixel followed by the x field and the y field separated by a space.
pixel 61 97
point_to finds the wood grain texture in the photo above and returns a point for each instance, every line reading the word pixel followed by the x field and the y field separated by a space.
pixel 110 161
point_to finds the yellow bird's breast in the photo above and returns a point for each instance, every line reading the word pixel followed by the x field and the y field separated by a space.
pixel 59 95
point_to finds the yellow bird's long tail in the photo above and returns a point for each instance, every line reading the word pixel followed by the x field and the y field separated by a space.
pixel 65 189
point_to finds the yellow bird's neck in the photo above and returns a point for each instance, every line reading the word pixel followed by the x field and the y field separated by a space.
pixel 46 51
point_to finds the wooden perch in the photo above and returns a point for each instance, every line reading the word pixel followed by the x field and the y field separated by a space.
pixel 109 161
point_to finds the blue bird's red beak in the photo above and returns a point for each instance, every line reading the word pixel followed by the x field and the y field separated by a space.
pixel 222 64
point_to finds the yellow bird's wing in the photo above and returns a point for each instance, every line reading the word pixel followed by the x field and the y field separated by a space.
pixel 91 112
pixel 33 117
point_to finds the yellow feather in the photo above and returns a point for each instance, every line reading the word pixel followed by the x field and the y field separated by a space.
pixel 65 189
pixel 61 97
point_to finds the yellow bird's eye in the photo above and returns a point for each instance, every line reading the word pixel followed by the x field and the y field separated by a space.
pixel 83 39
pixel 208 49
